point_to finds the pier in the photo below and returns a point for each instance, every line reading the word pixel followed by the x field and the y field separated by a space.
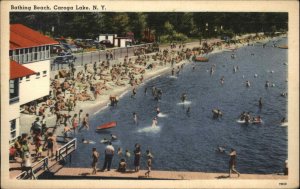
pixel 85 173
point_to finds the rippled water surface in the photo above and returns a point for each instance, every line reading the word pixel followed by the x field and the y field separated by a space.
pixel 188 143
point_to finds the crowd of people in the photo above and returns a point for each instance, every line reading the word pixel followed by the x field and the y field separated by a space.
pixel 124 159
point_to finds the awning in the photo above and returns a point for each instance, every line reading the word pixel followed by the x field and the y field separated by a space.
pixel 17 70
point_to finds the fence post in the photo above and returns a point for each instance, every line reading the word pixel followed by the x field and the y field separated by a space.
pixel 99 55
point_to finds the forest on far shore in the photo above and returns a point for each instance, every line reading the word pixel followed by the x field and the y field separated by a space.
pixel 164 26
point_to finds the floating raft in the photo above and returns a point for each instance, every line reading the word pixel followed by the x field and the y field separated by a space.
pixel 200 59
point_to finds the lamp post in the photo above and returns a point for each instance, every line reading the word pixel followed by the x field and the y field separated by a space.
pixel 99 54
pixel 82 57
pixel 91 57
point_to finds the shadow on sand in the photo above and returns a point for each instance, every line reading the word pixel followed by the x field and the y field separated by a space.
pixel 222 177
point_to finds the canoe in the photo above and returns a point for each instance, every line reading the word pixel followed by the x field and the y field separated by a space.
pixel 283 47
pixel 200 59
pixel 106 126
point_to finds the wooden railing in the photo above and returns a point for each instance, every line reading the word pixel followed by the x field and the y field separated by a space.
pixel 30 174
pixel 66 150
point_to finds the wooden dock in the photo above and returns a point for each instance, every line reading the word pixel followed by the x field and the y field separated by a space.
pixel 85 173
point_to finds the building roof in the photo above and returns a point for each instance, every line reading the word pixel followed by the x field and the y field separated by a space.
pixel 24 37
pixel 17 70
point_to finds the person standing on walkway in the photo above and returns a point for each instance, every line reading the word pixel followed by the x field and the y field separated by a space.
pixel 232 163
pixel 109 154
pixel 95 157
pixel 149 163
pixel 50 144
pixel 137 157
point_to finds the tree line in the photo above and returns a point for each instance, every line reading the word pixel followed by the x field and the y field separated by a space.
pixel 165 26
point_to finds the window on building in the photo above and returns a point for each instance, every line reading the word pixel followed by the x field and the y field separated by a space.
pixel 45 72
pixel 28 78
pixel 106 37
pixel 13 90
pixel 35 55
pixel 25 55
pixel 29 54
pixel 13 129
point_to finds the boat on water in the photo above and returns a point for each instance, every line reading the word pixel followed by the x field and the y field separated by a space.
pixel 283 47
pixel 200 59
pixel 108 125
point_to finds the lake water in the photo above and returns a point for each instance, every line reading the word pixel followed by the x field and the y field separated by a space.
pixel 188 143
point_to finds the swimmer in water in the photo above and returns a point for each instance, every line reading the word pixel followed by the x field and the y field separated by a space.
pixel 113 137
pixel 154 122
pixel 212 70
pixel 283 120
pixel 173 71
pixel 247 83
pixel 104 141
pixel 183 97
pixel 85 141
pixel 188 111
pixel 242 116
pixel 222 80
pixel 267 84
pixel 260 103
pixel 135 119
pixel 133 93
pixel 120 152
pixel 234 69
pixel 221 149
pixel 157 110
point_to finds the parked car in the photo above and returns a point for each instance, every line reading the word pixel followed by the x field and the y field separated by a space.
pixel 64 58
pixel 107 43
pixel 57 49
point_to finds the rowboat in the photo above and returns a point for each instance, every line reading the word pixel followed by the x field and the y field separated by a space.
pixel 106 126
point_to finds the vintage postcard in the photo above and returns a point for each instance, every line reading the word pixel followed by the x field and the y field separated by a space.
pixel 149 94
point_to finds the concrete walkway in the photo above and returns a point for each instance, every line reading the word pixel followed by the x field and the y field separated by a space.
pixel 85 173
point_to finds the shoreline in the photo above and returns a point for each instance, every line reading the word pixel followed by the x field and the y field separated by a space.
pixel 121 91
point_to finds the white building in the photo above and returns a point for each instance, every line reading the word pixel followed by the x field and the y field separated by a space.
pixel 115 40
pixel 122 42
pixel 109 37
pixel 29 70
